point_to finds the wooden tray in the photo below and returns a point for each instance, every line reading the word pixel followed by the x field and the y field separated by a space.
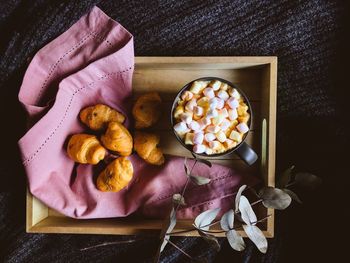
pixel 256 76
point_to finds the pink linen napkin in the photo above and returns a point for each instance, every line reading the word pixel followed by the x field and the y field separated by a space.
pixel 92 62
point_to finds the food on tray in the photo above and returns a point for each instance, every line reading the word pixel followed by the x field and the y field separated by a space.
pixel 97 117
pixel 117 138
pixel 211 116
pixel 146 110
pixel 116 175
pixel 146 146
pixel 85 148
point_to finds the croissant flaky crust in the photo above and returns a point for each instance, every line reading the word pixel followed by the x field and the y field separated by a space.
pixel 146 110
pixel 146 146
pixel 85 148
pixel 116 176
pixel 97 117
pixel 118 139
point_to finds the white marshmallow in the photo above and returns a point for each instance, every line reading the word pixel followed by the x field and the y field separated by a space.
pixel 215 84
pixel 212 129
pixel 180 127
pixel 187 95
pixel 189 105
pixel 221 103
pixel 209 137
pixel 223 95
pixel 189 138
pixel 198 138
pixel 213 102
pixel 233 103
pixel 242 127
pixel 186 117
pixel 224 86
pixel 198 110
pixel 212 113
pixel 232 114
pixel 205 121
pixel 223 112
pixel 208 151
pixel 199 148
pixel 214 145
pixel 234 93
pixel 225 125
pixel 198 86
pixel 221 136
pixel 194 125
pixel 209 93
pixel 236 136
pixel 218 119
pixel 229 143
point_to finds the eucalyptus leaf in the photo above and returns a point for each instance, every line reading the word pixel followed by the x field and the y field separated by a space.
pixel 199 180
pixel 275 198
pixel 168 229
pixel 307 180
pixel 235 240
pixel 212 240
pixel 293 195
pixel 227 220
pixel 179 199
pixel 247 213
pixel 204 161
pixel 205 218
pixel 238 196
pixel 257 236
pixel 285 177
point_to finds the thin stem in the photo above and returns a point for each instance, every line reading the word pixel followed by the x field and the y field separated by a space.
pixel 108 244
pixel 256 202
pixel 290 184
pixel 180 249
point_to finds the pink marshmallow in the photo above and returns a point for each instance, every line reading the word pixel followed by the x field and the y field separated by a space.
pixel 199 148
pixel 194 125
pixel 198 138
pixel 221 103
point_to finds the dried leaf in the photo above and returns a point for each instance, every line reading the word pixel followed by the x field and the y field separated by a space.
pixel 257 236
pixel 187 170
pixel 199 180
pixel 307 180
pixel 212 240
pixel 238 196
pixel 227 220
pixel 292 195
pixel 172 223
pixel 179 199
pixel 205 218
pixel 285 177
pixel 275 198
pixel 247 213
pixel 204 161
pixel 235 240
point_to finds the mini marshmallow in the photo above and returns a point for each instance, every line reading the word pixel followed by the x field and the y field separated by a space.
pixel 205 121
pixel 236 136
pixel 198 110
pixel 178 111
pixel 225 125
pixel 198 86
pixel 198 138
pixel 209 137
pixel 186 117
pixel 221 103
pixel 213 102
pixel 232 114
pixel 189 138
pixel 208 151
pixel 199 148
pixel 229 143
pixel 234 93
pixel 212 129
pixel 218 119
pixel 180 127
pixel 203 102
pixel 224 87
pixel 187 95
pixel 215 84
pixel 221 136
pixel 223 95
pixel 194 125
pixel 233 103
pixel 209 93
pixel 212 113
pixel 214 145
pixel 189 105
pixel 242 127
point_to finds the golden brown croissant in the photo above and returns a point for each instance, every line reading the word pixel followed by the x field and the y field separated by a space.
pixel 145 145
pixel 146 110
pixel 85 148
pixel 97 117
pixel 117 138
pixel 116 176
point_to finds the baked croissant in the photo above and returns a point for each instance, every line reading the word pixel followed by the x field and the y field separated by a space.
pixel 97 117
pixel 85 148
pixel 146 110
pixel 116 176
pixel 145 145
pixel 117 138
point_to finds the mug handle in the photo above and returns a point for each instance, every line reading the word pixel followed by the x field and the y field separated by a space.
pixel 246 153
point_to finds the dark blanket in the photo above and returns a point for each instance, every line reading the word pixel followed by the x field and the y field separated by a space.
pixel 311 133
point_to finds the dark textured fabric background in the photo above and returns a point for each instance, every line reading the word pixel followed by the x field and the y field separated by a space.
pixel 309 39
